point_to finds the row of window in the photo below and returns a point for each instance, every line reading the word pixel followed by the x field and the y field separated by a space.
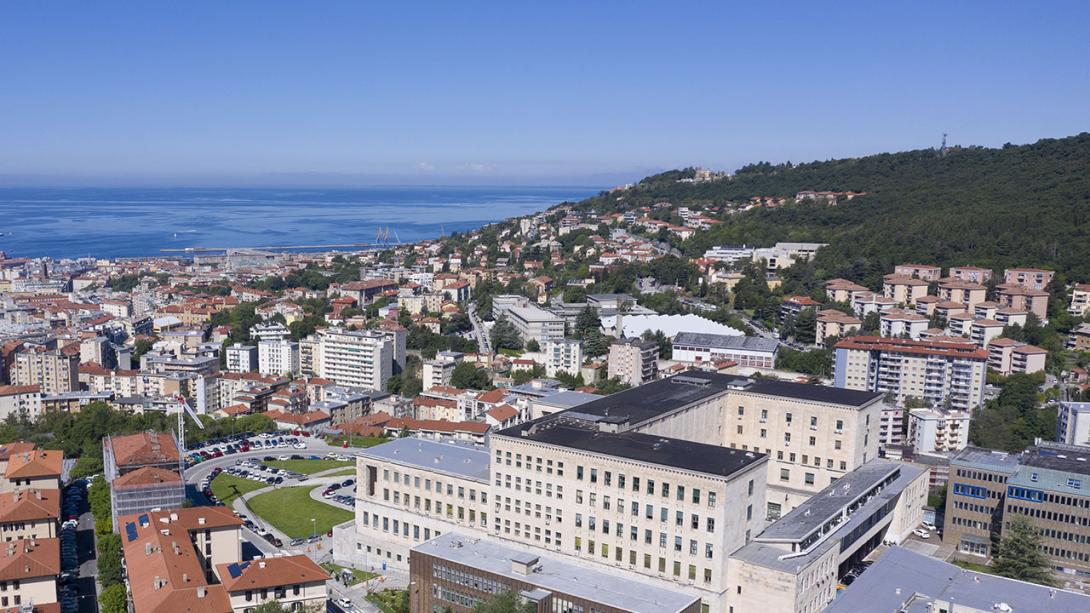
pixel 415 481
pixel 789 419
pixel 451 511
pixel 602 550
pixel 663 488
pixel 1045 514
pixel 663 517
pixel 541 464
pixel 980 475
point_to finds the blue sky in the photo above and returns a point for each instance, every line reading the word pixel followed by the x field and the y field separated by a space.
pixel 550 92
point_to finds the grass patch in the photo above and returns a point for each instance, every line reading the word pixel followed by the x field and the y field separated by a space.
pixel 229 487
pixel 356 441
pixel 344 472
pixel 973 566
pixel 390 601
pixel 289 509
pixel 357 575
pixel 309 467
pixel 511 353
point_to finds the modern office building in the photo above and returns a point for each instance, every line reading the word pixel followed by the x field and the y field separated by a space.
pixel 457 572
pixel 533 323
pixel 975 494
pixel 796 563
pixel 931 370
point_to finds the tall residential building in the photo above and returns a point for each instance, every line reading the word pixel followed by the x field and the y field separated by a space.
pixel 633 360
pixel 241 358
pixel 277 357
pixel 53 372
pixel 563 356
pixel 931 370
pixel 20 401
pixel 1029 278
pixel 1073 423
pixel 438 372
pixel 1080 300
pixel 361 358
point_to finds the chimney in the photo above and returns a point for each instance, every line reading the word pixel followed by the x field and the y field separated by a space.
pixel 185 577
pixel 261 564
pixel 202 592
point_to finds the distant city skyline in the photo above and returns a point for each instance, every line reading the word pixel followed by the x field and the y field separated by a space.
pixel 346 93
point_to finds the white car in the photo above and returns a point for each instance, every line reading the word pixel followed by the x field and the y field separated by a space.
pixel 299 446
pixel 929 526
pixel 920 532
pixel 345 605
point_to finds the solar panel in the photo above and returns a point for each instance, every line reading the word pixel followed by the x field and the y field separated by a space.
pixel 130 531
pixel 144 519
pixel 234 571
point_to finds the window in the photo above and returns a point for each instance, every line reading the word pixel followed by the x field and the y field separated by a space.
pixel 764 414
pixel 809 478
pixel 594 475
pixel 785 474
pixel 750 487
pixel 741 411
pixel 579 473
pixel 696 496
pixel 1074 483
pixel 813 421
pixel 840 425
pixel 711 524
pixel 740 430
pixel 708 551
pixel 711 496
pixel 787 417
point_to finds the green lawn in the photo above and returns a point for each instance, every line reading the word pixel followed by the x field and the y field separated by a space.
pixel 357 575
pixel 344 472
pixel 290 509
pixel 390 601
pixel 309 467
pixel 228 487
pixel 357 441
pixel 980 568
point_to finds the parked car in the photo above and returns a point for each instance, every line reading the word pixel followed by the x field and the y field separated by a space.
pixel 920 532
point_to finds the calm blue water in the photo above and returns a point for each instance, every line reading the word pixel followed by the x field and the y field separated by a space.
pixel 117 222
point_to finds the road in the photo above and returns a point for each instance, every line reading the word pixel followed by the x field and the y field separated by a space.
pixel 87 585
pixel 483 343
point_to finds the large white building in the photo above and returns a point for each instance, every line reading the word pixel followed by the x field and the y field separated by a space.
pixel 536 324
pixel 242 358
pixel 633 360
pixel 796 563
pixel 931 370
pixel 352 358
pixel 754 351
pixel 438 372
pixel 277 357
pixel 19 401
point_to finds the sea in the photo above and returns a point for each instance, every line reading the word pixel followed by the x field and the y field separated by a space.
pixel 140 222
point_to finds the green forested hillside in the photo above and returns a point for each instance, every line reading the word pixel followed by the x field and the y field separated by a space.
pixel 1015 206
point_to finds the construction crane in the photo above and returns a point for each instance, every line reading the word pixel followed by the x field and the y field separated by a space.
pixel 185 408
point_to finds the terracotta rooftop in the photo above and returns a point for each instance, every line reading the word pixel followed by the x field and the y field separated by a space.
pixel 30 558
pixel 270 572
pixel 144 448
pixel 148 475
pixel 36 463
pixel 30 505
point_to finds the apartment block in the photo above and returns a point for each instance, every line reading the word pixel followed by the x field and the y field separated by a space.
pixel 903 289
pixel 53 372
pixel 964 292
pixel 1073 423
pixel 919 271
pixel 456 572
pixel 842 290
pixel 563 356
pixel 833 324
pixel 1029 278
pixel 891 430
pixel 973 274
pixel 438 372
pixel 353 358
pixel 1007 357
pixel 18 401
pixel 28 575
pixel 938 430
pixel 296 582
pixel 30 513
pixel 278 358
pixel 902 323
pixel 242 358
pixel 934 371
pixel 797 562
pixel 634 361
pixel 1080 300
pixel 1021 298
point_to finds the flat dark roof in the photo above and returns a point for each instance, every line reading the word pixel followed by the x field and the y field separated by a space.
pixel 575 433
pixel 665 395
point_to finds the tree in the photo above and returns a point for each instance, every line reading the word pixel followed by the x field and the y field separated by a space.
pixel 586 322
pixel 507 602
pixel 1019 554
pixel 611 386
pixel 86 466
pixel 504 335
pixel 533 345
pixel 468 376
pixel 109 559
pixel 806 326
pixel 113 599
